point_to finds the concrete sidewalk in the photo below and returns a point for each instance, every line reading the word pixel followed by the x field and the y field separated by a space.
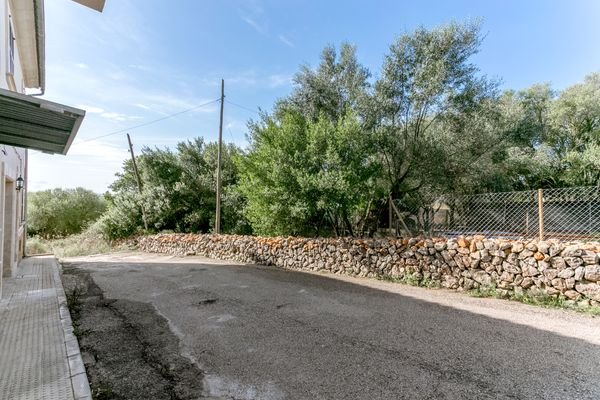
pixel 39 355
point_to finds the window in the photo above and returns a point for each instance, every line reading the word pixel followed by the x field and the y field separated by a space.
pixel 11 49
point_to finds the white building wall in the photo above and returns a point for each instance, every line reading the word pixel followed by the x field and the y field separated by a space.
pixel 13 161
pixel 5 16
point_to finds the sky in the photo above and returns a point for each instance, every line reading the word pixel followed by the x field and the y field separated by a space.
pixel 143 60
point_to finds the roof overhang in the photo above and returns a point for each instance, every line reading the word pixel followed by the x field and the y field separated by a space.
pixel 28 21
pixel 97 5
pixel 34 123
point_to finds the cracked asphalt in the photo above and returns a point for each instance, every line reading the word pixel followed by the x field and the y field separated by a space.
pixel 264 333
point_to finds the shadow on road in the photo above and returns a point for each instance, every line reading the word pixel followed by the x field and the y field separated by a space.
pixel 262 332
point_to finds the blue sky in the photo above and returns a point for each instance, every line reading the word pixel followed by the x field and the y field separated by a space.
pixel 144 59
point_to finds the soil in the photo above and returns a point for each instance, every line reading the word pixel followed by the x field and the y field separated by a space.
pixel 128 349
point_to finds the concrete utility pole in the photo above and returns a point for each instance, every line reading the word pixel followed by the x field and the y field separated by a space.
pixel 218 210
pixel 139 181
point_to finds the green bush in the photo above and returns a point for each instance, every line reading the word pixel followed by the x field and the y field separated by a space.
pixel 123 217
pixel 179 192
pixel 58 213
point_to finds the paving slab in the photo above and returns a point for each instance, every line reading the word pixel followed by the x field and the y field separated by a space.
pixel 34 355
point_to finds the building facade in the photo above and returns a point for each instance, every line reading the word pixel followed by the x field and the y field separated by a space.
pixel 27 122
pixel 13 160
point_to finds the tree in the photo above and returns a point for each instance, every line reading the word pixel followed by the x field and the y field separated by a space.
pixel 61 212
pixel 337 85
pixel 576 131
pixel 423 104
pixel 307 178
pixel 331 154
pixel 554 136
pixel 178 191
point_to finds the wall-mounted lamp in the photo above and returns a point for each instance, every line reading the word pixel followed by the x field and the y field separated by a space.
pixel 20 182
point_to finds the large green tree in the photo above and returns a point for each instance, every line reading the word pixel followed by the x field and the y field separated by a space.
pixel 425 104
pixel 576 131
pixel 332 153
pixel 338 84
pixel 308 177
pixel 555 136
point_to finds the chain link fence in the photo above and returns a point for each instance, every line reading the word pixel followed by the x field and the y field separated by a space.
pixel 569 213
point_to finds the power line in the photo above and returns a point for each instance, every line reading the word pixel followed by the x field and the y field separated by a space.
pixel 242 107
pixel 147 123
pixel 231 134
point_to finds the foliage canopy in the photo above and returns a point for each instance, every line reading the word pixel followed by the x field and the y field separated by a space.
pixel 331 154
pixel 57 213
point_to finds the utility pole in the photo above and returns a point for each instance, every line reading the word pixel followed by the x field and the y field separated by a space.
pixel 218 210
pixel 139 181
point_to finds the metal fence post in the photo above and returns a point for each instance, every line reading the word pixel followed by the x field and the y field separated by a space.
pixel 541 212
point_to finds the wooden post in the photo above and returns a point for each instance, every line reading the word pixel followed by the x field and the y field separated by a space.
pixel 218 209
pixel 399 216
pixel 541 212
pixel 139 181
pixel 390 215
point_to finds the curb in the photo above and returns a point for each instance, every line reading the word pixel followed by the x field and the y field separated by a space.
pixel 79 380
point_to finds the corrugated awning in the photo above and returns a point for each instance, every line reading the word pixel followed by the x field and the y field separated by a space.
pixel 34 123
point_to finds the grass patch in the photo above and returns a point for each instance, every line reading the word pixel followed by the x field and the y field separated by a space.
pixel 412 280
pixel 536 299
pixel 86 243
pixel 36 245
pixel 541 299
pixel 486 291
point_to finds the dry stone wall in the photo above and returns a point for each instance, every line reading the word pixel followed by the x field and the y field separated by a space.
pixel 568 269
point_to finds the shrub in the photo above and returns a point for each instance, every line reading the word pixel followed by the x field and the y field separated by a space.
pixel 57 213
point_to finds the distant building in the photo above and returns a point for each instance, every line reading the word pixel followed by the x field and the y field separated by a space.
pixel 26 121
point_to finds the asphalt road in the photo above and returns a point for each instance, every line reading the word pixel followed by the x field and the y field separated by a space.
pixel 264 333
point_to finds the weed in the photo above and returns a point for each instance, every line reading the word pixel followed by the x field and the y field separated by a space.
pixel 80 332
pixel 534 298
pixel 102 391
pixel 485 291
pixel 36 245
pixel 85 243
pixel 593 310
pixel 429 283
pixel 537 299
pixel 412 280
pixel 74 301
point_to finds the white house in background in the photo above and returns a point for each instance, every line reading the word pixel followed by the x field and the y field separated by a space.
pixel 26 121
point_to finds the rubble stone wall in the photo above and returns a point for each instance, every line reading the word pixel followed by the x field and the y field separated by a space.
pixel 568 269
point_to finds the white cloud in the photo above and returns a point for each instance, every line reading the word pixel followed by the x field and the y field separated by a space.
pixel 285 40
pixel 90 109
pixel 257 27
pixel 279 80
pixel 98 149
pixel 242 80
pixel 168 103
pixel 90 164
pixel 140 67
pixel 253 14
pixel 119 116
pixel 82 65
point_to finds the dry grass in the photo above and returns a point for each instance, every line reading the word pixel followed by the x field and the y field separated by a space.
pixel 86 243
